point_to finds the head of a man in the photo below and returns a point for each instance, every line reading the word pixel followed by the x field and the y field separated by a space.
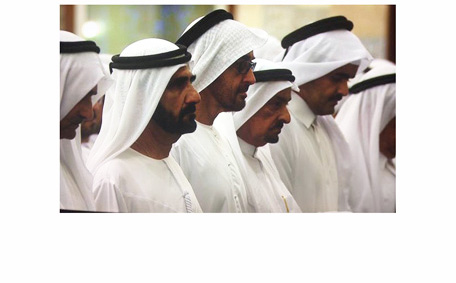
pixel 323 94
pixel 266 124
pixel 230 88
pixel 81 112
pixel 387 140
pixel 175 112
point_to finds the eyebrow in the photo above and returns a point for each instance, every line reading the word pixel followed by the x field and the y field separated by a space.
pixel 181 79
pixel 92 92
pixel 343 75
pixel 279 99
pixel 245 58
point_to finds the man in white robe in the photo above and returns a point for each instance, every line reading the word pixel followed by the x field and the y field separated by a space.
pixel 82 81
pixel 312 155
pixel 222 61
pixel 368 121
pixel 150 106
pixel 250 130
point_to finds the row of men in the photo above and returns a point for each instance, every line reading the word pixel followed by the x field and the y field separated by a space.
pixel 191 127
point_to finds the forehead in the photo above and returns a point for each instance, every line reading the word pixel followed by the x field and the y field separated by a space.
pixel 248 56
pixel 182 71
pixel 283 95
pixel 346 70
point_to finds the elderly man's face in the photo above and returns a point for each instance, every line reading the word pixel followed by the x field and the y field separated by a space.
pixel 265 125
pixel 230 88
pixel 175 112
pixel 323 94
pixel 81 112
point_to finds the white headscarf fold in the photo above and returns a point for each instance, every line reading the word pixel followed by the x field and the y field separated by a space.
pixel 219 47
pixel 79 73
pixel 362 118
pixel 270 49
pixel 131 102
pixel 321 54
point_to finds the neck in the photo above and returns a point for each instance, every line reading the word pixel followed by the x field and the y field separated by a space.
pixel 208 108
pixel 154 142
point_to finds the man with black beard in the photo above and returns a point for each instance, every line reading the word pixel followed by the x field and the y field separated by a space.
pixel 151 105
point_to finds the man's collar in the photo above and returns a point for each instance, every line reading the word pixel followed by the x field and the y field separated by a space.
pixel 247 148
pixel 301 110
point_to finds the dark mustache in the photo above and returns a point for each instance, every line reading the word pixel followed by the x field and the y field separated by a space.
pixel 244 89
pixel 336 97
pixel 191 108
pixel 278 125
pixel 78 120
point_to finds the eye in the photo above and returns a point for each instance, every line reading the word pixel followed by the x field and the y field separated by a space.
pixel 339 78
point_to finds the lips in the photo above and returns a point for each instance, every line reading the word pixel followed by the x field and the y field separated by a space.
pixel 336 98
pixel 278 128
pixel 191 109
pixel 75 125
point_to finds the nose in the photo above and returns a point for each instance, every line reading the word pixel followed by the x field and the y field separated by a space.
pixel 86 110
pixel 249 77
pixel 343 88
pixel 285 116
pixel 192 96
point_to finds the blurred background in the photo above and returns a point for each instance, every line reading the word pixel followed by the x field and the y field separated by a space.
pixel 113 27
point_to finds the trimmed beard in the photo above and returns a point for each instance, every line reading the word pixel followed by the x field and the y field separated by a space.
pixel 168 122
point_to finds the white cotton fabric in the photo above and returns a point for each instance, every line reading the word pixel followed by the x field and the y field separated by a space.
pixel 207 161
pixel 75 179
pixel 305 157
pixel 86 147
pixel 79 73
pixel 265 190
pixel 219 47
pixel 270 49
pixel 133 182
pixel 312 156
pixel 127 181
pixel 362 118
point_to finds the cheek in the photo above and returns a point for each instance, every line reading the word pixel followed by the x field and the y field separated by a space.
pixel 268 121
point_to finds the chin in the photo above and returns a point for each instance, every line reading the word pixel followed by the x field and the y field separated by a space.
pixel 189 127
pixel 238 106
pixel 273 139
pixel 329 112
pixel 68 135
